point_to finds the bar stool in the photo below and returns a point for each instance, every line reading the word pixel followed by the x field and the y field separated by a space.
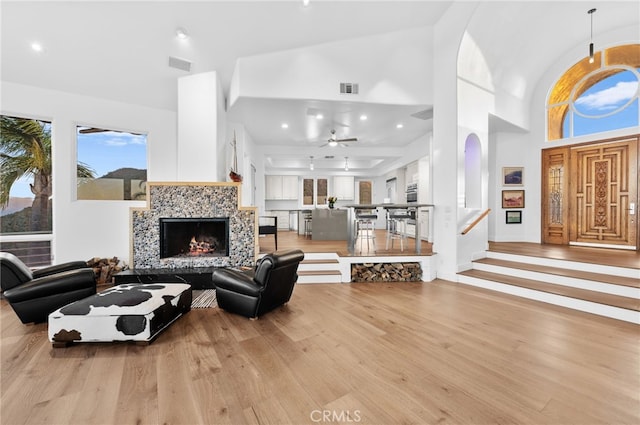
pixel 307 224
pixel 397 227
pixel 365 227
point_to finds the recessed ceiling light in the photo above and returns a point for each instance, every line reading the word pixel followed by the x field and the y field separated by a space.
pixel 284 125
pixel 182 33
pixel 363 117
pixel 305 3
pixel 319 116
pixel 400 125
pixel 37 47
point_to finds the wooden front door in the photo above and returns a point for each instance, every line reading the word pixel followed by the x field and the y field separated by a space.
pixel 555 196
pixel 595 201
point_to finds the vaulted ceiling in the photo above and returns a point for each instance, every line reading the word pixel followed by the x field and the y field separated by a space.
pixel 120 51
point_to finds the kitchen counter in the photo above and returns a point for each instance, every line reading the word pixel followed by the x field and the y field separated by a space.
pixel 329 224
pixel 351 236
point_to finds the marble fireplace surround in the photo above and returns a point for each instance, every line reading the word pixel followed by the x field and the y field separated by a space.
pixel 193 200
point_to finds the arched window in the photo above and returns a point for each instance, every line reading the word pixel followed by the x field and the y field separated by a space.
pixel 595 97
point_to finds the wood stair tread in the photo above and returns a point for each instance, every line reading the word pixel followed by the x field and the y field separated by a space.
pixel 318 272
pixel 321 261
pixel 582 294
pixel 578 274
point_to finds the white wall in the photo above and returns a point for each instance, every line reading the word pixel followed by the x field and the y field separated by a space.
pixel 448 34
pixel 312 72
pixel 246 153
pixel 85 229
pixel 201 129
pixel 509 148
pixel 524 149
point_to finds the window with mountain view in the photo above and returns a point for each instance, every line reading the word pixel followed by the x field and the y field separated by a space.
pixel 112 165
pixel 25 189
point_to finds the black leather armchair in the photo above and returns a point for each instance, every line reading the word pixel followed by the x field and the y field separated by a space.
pixel 35 294
pixel 255 292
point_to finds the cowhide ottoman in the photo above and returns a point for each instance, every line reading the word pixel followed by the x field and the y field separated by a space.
pixel 128 312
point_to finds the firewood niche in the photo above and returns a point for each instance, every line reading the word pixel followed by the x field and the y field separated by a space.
pixel 386 272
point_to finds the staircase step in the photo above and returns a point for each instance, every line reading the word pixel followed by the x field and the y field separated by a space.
pixel 626 303
pixel 320 261
pixel 558 271
pixel 319 276
pixel 576 278
pixel 318 272
pixel 632 273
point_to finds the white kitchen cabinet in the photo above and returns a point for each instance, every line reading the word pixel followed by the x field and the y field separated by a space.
pixel 273 187
pixel 281 187
pixel 344 188
pixel 290 187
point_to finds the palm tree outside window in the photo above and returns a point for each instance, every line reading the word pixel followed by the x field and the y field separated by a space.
pixel 26 187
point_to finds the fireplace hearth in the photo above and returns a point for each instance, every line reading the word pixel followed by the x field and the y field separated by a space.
pixel 194 237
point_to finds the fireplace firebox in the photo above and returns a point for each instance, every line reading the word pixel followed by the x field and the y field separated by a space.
pixel 194 237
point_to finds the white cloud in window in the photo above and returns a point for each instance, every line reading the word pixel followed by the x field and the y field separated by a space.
pixel 124 139
pixel 115 142
pixel 609 98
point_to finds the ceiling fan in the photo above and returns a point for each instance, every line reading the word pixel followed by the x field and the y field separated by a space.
pixel 334 141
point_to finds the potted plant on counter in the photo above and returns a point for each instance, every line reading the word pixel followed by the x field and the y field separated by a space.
pixel 332 201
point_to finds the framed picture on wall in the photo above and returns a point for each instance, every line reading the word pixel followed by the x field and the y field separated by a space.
pixel 512 176
pixel 513 199
pixel 513 217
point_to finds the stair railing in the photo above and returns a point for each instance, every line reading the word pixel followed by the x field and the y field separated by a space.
pixel 476 221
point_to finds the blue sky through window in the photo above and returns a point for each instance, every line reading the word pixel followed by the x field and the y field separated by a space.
pixel 103 152
pixel 607 96
pixel 110 150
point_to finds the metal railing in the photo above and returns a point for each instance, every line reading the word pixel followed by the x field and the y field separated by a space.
pixel 33 249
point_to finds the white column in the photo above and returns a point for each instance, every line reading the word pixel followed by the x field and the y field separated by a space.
pixel 200 152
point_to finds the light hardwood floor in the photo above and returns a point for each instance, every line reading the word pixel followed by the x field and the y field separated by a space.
pixel 291 240
pixel 419 353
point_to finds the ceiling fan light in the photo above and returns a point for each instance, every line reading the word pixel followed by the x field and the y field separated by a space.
pixel 333 143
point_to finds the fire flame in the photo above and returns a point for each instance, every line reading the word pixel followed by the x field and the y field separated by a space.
pixel 200 247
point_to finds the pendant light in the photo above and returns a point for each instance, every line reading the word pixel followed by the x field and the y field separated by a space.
pixel 311 163
pixel 591 12
pixel 346 163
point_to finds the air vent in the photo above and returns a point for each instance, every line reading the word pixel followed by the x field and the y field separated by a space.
pixel 348 88
pixel 179 64
pixel 427 114
pixel 328 157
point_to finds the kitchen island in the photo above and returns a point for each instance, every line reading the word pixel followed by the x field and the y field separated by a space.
pixel 329 224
